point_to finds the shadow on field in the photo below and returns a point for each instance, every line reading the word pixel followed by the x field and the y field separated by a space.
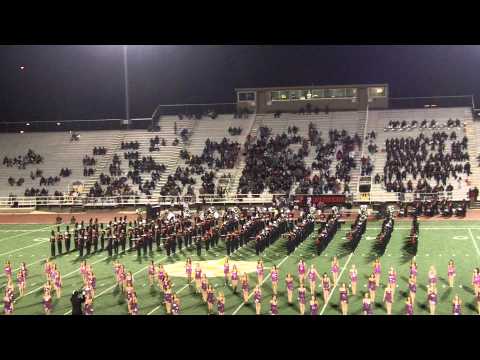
pixel 409 250
pixel 447 294
pixel 471 306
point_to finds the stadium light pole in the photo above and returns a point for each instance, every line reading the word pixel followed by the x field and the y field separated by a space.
pixel 125 71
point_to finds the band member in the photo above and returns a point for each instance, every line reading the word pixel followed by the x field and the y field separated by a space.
pixel 274 276
pixel 343 290
pixel 432 276
pixel 388 298
pixel 353 279
pixel 409 306
pixel 188 270
pixel 274 305
pixel 302 293
pixel 314 305
pixel 326 287
pixel 198 278
pixel 451 272
pixel 204 287
pixel 392 280
pixel 221 303
pixel 377 271
pixel 210 298
pixel 245 287
pixel 260 271
pixel 312 277
pixel 476 281
pixel 372 287
pixel 432 298
pixel 289 286
pixel 335 270
pixel 234 278
pixel 151 273
pixel 302 268
pixel 412 288
pixel 52 244
pixel 367 303
pixel 226 271
pixel 457 306
pixel 257 297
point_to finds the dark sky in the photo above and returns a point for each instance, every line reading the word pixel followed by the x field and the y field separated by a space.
pixel 86 82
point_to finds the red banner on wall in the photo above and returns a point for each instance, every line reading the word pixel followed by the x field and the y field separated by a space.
pixel 325 199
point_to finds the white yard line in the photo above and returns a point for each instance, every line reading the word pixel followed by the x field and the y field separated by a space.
pixel 266 278
pixel 338 281
pixel 474 242
pixel 113 286
pixel 25 233
pixel 25 247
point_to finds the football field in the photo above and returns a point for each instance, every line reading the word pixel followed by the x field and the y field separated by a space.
pixel 439 241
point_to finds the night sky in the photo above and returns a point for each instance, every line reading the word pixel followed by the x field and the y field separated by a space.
pixel 86 82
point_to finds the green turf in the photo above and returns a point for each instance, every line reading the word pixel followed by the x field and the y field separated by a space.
pixel 439 242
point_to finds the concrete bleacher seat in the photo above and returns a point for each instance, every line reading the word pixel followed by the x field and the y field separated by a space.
pixel 57 151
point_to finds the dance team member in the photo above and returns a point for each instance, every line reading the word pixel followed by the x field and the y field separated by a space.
pixel 160 276
pixel 21 282
pixel 289 286
pixel 457 306
pixel 88 308
pixel 167 298
pixel 198 279
pixel 372 287
pixel 274 305
pixel 451 273
pixel 367 304
pixel 226 271
pixel 409 306
pixel 301 271
pixel 151 273
pixel 204 287
pixel 47 299
pixel 274 277
pixel 7 304
pixel 210 298
pixel 335 270
pixel 377 271
pixel 476 281
pixel 432 298
pixel 257 297
pixel 221 303
pixel 175 305
pixel 326 287
pixel 413 270
pixel 302 293
pixel 57 283
pixel 245 287
pixel 412 288
pixel 312 277
pixel 392 280
pixel 8 270
pixel 432 276
pixel 353 279
pixel 314 305
pixel 388 298
pixel 188 270
pixel 260 271
pixel 343 290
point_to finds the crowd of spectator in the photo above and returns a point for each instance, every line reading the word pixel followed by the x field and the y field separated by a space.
pixel 425 158
pixel 65 172
pixel 155 142
pixel 216 155
pixel 235 131
pixel 31 157
pixel 130 145
pixel 397 125
pixel 99 151
pixel 13 182
pixel 88 161
pixel 50 181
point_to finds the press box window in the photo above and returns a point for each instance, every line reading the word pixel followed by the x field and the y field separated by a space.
pixel 376 92
pixel 351 92
pixel 246 96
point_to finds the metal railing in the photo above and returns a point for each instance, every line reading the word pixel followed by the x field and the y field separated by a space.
pixel 115 201
pixel 411 197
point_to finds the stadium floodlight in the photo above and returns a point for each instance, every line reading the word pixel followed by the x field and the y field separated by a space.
pixel 28 124
pixel 21 131
pixel 58 124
